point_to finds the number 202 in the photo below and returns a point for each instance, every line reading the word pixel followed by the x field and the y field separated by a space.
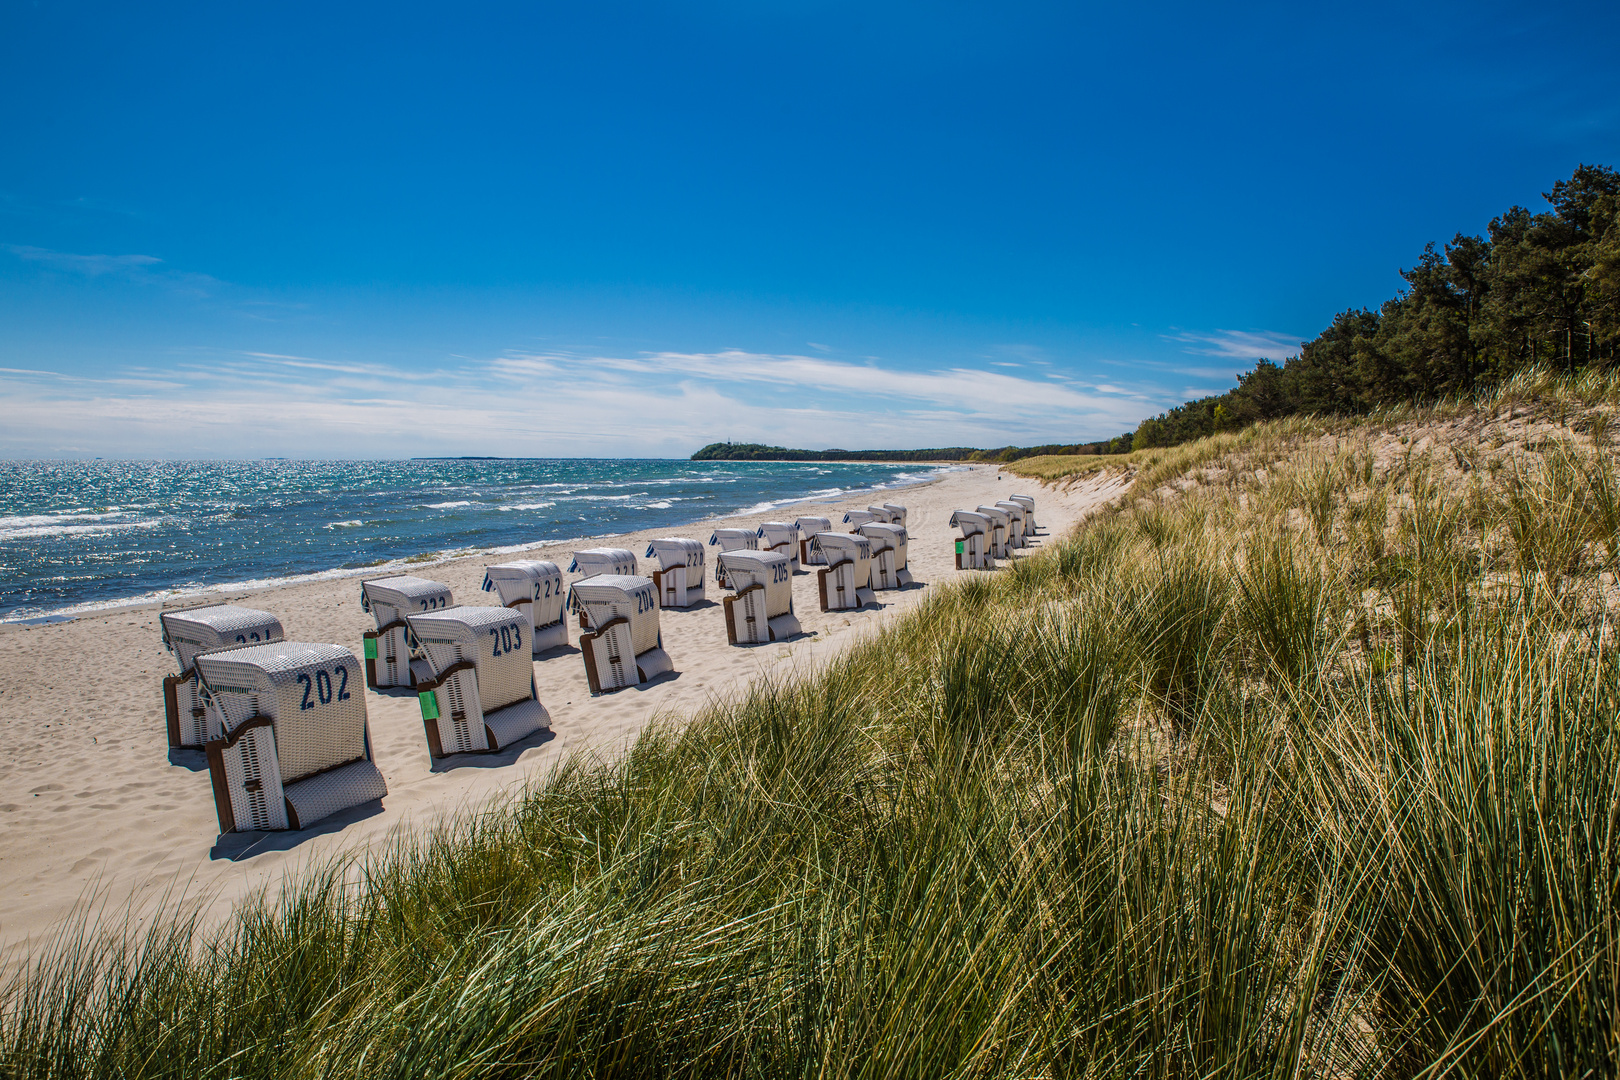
pixel 321 686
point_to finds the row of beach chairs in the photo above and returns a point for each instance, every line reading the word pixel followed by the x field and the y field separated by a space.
pixel 993 532
pixel 284 725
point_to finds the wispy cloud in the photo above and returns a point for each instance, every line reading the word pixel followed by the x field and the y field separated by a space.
pixel 145 269
pixel 255 403
pixel 1246 345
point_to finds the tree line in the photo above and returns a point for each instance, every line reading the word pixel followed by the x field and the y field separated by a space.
pixel 1537 289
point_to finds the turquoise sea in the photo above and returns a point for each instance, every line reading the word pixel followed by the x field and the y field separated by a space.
pixel 76 535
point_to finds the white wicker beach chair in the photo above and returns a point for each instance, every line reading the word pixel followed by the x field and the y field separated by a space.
pixel 288 743
pixel 732 540
pixel 1029 512
pixel 388 654
pixel 593 561
pixel 897 513
pixel 533 587
pixel 881 515
pixel 192 632
pixel 1016 516
pixel 808 528
pixel 846 582
pixel 780 536
pixel 973 549
pixel 679 578
pixel 856 518
pixel 999 523
pixel 761 609
pixel 474 672
pixel 624 647
pixel 888 555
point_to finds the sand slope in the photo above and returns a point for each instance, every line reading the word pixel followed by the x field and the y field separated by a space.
pixel 91 802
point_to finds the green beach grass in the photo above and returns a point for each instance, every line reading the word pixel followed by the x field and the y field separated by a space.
pixel 1307 769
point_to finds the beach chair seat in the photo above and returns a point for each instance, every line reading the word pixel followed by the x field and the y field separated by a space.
pixel 731 540
pixel 623 647
pixel 1015 522
pixel 780 536
pixel 760 609
pixel 808 528
pixel 1029 512
pixel 888 555
pixel 192 632
pixel 973 549
pixel 897 513
pixel 679 578
pixel 999 521
pixel 474 672
pixel 288 742
pixel 390 599
pixel 846 581
pixel 856 518
pixel 533 587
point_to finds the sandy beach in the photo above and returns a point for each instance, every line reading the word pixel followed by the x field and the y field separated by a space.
pixel 93 804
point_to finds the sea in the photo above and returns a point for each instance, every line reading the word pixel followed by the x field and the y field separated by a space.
pixel 76 536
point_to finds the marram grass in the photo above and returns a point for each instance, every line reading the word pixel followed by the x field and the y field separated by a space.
pixel 1250 782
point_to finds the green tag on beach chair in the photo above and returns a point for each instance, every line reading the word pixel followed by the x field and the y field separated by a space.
pixel 959 546
pixel 430 705
pixel 371 648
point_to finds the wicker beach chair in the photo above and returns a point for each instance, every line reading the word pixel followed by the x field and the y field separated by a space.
pixel 846 582
pixel 973 549
pixel 780 536
pixel 474 676
pixel 1016 516
pixel 623 647
pixel 999 522
pixel 808 528
pixel 856 518
pixel 888 555
pixel 897 513
pixel 193 632
pixel 388 654
pixel 761 608
pixel 731 540
pixel 1029 512
pixel 679 578
pixel 533 587
pixel 288 743
pixel 593 561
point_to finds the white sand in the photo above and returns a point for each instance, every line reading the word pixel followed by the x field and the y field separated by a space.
pixel 91 805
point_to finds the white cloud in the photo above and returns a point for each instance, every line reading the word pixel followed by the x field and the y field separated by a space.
pixel 1247 345
pixel 147 269
pixel 254 404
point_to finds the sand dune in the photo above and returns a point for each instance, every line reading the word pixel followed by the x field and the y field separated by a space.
pixel 92 803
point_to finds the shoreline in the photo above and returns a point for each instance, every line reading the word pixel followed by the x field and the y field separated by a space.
pixel 419 560
pixel 98 817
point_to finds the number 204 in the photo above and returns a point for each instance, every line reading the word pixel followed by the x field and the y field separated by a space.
pixel 319 685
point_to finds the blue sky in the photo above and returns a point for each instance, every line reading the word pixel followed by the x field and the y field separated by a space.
pixel 615 228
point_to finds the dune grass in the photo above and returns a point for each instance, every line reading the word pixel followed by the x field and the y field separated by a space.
pixel 1309 771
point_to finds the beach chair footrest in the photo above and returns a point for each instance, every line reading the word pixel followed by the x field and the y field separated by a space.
pixel 516 721
pixel 324 794
pixel 653 663
pixel 785 626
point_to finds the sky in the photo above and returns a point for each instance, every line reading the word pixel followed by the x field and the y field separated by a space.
pixel 631 229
